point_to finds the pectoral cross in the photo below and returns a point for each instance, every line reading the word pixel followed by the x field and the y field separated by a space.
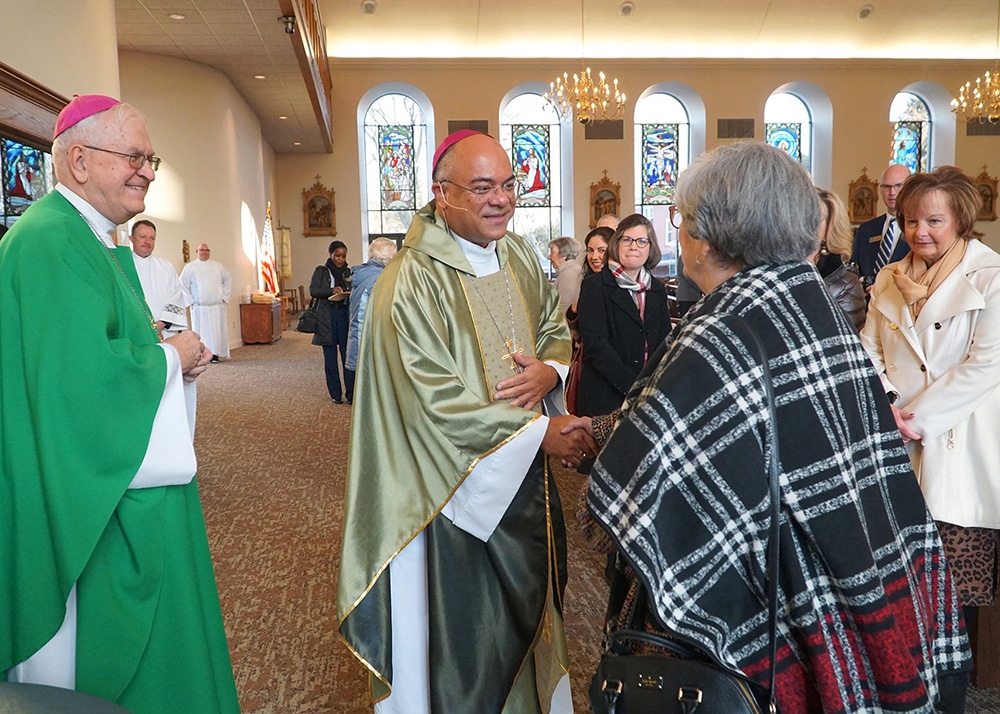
pixel 512 349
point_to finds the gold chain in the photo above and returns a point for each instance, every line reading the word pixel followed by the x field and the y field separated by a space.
pixel 114 259
pixel 509 342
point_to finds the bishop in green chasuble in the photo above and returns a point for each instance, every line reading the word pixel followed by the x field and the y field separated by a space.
pixel 453 563
pixel 103 535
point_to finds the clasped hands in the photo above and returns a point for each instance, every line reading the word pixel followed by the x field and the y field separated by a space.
pixel 194 355
pixel 568 438
pixel 905 430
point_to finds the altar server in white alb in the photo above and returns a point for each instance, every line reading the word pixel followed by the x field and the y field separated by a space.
pixel 210 285
pixel 160 285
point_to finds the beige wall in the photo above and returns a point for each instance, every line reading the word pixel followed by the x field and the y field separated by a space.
pixel 217 172
pixel 70 46
pixel 859 91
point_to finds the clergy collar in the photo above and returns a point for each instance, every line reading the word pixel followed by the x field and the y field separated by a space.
pixel 484 261
pixel 103 228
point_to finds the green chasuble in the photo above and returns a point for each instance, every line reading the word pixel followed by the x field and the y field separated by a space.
pixel 81 376
pixel 423 418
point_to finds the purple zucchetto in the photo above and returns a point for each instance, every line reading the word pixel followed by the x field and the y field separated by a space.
pixel 81 107
pixel 450 141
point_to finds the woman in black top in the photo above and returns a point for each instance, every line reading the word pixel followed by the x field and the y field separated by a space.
pixel 331 286
pixel 623 317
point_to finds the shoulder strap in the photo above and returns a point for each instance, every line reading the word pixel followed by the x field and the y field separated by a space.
pixel 774 467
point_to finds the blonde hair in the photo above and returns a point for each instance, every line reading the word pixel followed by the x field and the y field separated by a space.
pixel 839 237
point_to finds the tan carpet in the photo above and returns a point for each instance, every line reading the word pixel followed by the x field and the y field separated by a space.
pixel 272 449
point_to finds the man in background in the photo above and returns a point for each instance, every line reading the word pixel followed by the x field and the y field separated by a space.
pixel 879 241
pixel 453 563
pixel 160 285
pixel 210 285
pixel 107 582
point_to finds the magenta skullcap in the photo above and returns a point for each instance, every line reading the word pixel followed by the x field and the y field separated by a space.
pixel 80 108
pixel 450 141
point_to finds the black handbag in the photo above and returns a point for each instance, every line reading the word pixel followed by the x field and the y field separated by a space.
pixel 687 680
pixel 306 321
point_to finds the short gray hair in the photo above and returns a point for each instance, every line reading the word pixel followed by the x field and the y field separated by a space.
pixel 567 248
pixel 92 130
pixel 382 249
pixel 752 203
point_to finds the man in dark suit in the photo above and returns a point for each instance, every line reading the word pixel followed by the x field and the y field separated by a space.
pixel 879 241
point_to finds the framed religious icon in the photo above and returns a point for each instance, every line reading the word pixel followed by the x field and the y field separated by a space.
pixel 987 186
pixel 605 197
pixel 319 210
pixel 862 198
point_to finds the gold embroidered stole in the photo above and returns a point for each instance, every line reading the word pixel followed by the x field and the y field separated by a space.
pixel 501 321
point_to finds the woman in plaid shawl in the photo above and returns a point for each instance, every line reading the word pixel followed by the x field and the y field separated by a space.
pixel 868 615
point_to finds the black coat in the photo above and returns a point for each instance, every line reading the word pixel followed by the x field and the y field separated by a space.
pixel 615 340
pixel 319 288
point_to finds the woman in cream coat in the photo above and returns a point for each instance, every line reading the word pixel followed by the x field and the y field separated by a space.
pixel 933 333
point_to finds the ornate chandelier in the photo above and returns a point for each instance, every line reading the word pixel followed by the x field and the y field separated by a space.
pixel 586 99
pixel 982 100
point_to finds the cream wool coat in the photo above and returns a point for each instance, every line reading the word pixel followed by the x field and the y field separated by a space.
pixel 946 369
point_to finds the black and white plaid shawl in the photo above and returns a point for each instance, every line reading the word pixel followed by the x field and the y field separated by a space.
pixel 868 616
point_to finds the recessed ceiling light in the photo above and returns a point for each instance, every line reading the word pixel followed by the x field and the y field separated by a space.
pixel 296 143
pixel 369 7
pixel 865 11
pixel 282 116
pixel 626 8
pixel 177 16
pixel 260 76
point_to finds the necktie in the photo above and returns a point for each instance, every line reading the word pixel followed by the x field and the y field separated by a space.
pixel 885 246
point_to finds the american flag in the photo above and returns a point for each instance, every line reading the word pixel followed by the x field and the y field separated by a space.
pixel 267 271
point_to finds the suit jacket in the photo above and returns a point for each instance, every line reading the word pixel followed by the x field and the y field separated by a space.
pixel 867 240
pixel 615 340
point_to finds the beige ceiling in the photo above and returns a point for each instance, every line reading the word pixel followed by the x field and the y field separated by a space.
pixel 244 37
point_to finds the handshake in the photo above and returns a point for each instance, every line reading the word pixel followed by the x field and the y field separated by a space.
pixel 570 439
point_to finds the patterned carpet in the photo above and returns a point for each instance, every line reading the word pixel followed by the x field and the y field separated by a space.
pixel 272 452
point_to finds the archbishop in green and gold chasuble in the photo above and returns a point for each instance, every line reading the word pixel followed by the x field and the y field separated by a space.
pixel 436 340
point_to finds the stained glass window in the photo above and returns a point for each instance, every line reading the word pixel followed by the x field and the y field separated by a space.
pixel 532 135
pixel 395 140
pixel 911 131
pixel 788 126
pixel 659 163
pixel 26 177
pixel 530 159
pixel 786 136
pixel 662 151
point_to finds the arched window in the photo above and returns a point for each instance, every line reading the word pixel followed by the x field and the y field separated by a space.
pixel 395 163
pixel 26 176
pixel 788 126
pixel 662 150
pixel 531 132
pixel 911 132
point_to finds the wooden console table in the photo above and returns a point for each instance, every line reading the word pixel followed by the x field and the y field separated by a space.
pixel 260 323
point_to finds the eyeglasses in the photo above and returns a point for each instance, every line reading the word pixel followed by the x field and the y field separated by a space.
pixel 485 193
pixel 136 161
pixel 642 241
pixel 890 186
pixel 675 217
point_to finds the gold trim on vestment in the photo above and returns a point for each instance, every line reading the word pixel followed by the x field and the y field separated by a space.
pixel 368 665
pixel 545 629
pixel 472 466
pixel 479 337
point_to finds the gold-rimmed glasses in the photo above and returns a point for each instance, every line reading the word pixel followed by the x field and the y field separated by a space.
pixel 136 161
